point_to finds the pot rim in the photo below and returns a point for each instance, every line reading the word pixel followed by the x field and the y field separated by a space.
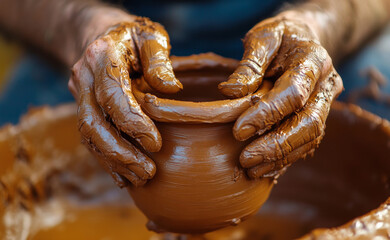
pixel 219 111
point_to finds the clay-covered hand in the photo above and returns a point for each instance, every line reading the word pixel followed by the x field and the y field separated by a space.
pixel 290 118
pixel 108 111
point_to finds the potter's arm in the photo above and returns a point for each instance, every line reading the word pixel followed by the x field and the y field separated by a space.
pixel 102 69
pixel 295 48
pixel 341 26
pixel 62 28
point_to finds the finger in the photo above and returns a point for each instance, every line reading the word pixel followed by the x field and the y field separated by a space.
pixel 153 45
pixel 124 172
pixel 268 169
pixel 166 110
pixel 290 93
pixel 302 128
pixel 261 45
pixel 103 140
pixel 122 175
pixel 114 95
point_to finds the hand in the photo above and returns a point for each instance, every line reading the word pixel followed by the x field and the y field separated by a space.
pixel 290 118
pixel 101 84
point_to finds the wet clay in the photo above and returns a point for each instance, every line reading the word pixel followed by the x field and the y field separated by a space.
pixel 289 119
pixel 199 185
pixel 200 101
pixel 305 86
pixel 375 224
pixel 293 110
pixel 51 187
pixel 101 83
pixel 347 177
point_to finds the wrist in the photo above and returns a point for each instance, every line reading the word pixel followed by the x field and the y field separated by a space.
pixel 101 19
pixel 341 26
pixel 306 18
pixel 92 22
pixel 323 25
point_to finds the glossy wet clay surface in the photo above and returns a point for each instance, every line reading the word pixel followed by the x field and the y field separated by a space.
pixel 51 186
pixel 58 189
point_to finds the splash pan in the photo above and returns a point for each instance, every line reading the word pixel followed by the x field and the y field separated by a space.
pixel 52 188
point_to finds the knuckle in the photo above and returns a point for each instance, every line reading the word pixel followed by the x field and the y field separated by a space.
pixel 95 49
pixel 281 146
pixel 321 57
pixel 320 50
pixel 91 49
pixel 266 27
pixel 317 124
pixel 76 69
pixel 85 124
pixel 146 27
pixel 333 85
pixel 300 94
pixel 337 81
pixel 90 53
pixel 252 65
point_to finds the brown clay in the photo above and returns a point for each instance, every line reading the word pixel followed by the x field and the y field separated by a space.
pixel 375 224
pixel 289 120
pixel 293 110
pixel 347 177
pixel 195 128
pixel 203 103
pixel 199 185
pixel 101 83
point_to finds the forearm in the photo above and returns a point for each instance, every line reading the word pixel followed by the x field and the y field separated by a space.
pixel 341 25
pixel 62 28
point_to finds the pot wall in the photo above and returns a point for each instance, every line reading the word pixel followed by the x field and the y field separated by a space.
pixel 199 185
pixel 347 177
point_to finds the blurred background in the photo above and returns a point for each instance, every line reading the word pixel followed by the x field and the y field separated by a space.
pixel 27 79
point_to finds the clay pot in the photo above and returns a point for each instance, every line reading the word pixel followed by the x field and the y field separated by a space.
pixel 52 188
pixel 199 185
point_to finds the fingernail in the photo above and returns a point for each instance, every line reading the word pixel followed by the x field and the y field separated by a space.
pixel 150 169
pixel 248 160
pixel 142 172
pixel 233 90
pixel 172 80
pixel 150 143
pixel 246 132
pixel 168 83
pixel 261 170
